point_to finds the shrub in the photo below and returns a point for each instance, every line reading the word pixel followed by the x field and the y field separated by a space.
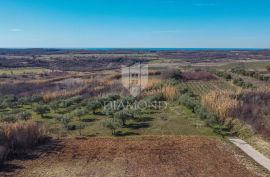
pixel 54 105
pixel 25 115
pixel 253 109
pixel 94 105
pixel 17 137
pixel 109 110
pixel 127 100
pixel 9 101
pixel 64 119
pixel 113 97
pixel 188 101
pixel 10 118
pixel 36 98
pixel 268 68
pixel 25 100
pixel 123 116
pixel 254 74
pixel 173 74
pixel 241 130
pixel 41 109
pixel 241 83
pixel 112 124
pixel 72 127
pixel 79 113
pixel 224 75
pixel 156 97
pixel 231 108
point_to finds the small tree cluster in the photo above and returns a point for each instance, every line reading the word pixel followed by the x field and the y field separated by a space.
pixel 112 124
pixel 254 74
pixel 241 83
pixel 224 75
pixel 41 109
pixel 94 106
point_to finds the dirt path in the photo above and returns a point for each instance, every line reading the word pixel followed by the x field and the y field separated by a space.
pixel 253 153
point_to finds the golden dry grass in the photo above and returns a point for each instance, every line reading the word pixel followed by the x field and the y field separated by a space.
pixel 152 82
pixel 16 137
pixel 22 134
pixel 51 95
pixel 220 102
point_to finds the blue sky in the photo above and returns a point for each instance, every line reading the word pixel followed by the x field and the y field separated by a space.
pixel 135 23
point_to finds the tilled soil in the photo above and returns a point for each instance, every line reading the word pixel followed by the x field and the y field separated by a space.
pixel 130 157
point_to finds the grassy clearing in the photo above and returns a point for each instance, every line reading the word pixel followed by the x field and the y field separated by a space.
pixel 175 120
pixel 162 61
pixel 20 71
pixel 256 65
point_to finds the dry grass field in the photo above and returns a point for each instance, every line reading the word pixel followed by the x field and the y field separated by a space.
pixel 191 103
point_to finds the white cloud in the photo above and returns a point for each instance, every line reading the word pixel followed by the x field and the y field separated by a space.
pixel 15 30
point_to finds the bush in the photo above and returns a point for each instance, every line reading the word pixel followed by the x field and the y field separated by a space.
pixel 268 68
pixel 189 102
pixel 79 113
pixel 112 124
pixel 241 130
pixel 94 105
pixel 113 97
pixel 172 74
pixel 156 97
pixel 36 99
pixel 254 74
pixel 25 100
pixel 241 83
pixel 9 118
pixel 224 75
pixel 64 119
pixel 71 127
pixel 9 101
pixel 123 116
pixel 41 109
pixel 25 115
pixel 127 100
pixel 17 137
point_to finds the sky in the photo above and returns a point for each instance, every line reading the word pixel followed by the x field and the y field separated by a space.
pixel 134 24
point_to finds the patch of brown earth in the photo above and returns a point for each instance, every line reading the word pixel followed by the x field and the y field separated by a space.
pixel 131 157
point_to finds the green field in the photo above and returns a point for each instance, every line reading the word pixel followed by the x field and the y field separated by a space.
pixel 20 71
pixel 256 65
pixel 175 120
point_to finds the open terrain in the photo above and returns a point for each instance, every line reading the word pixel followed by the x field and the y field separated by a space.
pixel 78 100
pixel 144 156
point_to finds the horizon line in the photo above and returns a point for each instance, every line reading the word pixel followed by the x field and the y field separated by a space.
pixel 138 48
